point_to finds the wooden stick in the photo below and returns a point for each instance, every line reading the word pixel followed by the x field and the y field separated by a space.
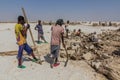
pixel 67 57
pixel 29 28
pixel 30 31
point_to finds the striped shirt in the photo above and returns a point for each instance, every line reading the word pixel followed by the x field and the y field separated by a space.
pixel 56 35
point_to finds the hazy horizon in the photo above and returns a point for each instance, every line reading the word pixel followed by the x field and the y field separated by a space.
pixel 51 10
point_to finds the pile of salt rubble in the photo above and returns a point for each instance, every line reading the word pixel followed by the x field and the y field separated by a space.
pixel 103 55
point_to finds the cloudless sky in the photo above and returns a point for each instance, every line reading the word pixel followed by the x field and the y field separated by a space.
pixel 75 10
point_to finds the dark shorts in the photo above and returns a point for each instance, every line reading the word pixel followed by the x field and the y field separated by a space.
pixel 40 35
pixel 25 47
pixel 55 50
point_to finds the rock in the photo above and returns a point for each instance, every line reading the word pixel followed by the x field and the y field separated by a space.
pixel 71 52
pixel 92 47
pixel 105 56
pixel 112 70
pixel 62 55
pixel 96 65
pixel 86 47
pixel 73 57
pixel 69 48
pixel 75 47
pixel 87 56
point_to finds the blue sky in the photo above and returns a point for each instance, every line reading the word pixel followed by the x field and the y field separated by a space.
pixel 74 10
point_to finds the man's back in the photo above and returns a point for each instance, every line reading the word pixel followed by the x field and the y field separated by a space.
pixel 56 34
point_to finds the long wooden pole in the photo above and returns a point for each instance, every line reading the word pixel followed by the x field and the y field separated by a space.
pixel 29 28
pixel 30 31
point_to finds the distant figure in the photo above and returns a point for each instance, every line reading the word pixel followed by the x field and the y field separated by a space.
pixel 94 37
pixel 40 32
pixel 56 37
pixel 78 32
pixel 73 34
pixel 66 28
pixel 21 33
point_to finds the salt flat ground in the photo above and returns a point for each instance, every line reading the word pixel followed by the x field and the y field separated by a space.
pixel 75 70
pixel 8 40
